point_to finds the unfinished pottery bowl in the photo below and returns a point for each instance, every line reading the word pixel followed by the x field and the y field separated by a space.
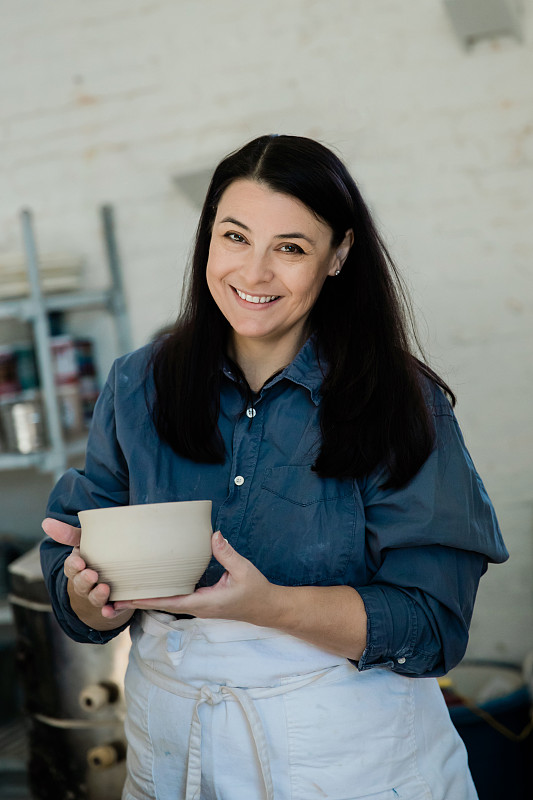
pixel 152 550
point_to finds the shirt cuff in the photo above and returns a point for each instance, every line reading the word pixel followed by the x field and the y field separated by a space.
pixel 71 624
pixel 392 632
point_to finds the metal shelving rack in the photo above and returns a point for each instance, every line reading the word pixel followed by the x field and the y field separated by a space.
pixel 34 309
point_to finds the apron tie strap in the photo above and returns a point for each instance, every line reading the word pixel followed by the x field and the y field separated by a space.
pixel 214 696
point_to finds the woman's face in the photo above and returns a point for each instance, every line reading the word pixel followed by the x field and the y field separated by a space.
pixel 268 259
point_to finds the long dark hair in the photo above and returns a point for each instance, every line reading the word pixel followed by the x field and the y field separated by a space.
pixel 373 409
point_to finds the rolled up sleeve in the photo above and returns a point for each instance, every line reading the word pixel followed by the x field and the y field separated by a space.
pixel 52 559
pixel 422 629
pixel 104 482
pixel 428 544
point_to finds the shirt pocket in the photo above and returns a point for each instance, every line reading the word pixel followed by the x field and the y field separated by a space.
pixel 302 527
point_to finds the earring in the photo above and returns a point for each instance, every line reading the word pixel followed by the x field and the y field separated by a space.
pixel 337 272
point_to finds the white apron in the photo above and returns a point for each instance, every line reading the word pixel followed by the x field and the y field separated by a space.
pixel 222 710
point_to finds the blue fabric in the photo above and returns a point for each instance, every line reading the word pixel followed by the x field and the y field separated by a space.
pixel 415 554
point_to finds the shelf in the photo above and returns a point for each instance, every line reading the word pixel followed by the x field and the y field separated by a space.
pixel 17 309
pixel 43 458
pixel 26 309
pixel 34 309
pixel 12 461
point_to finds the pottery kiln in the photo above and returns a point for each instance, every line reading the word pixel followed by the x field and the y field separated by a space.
pixel 73 697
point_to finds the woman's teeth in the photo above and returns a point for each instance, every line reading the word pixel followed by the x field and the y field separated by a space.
pixel 255 298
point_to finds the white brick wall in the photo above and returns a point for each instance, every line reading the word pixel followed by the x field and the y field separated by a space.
pixel 105 102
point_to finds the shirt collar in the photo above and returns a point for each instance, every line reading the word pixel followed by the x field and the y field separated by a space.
pixel 304 370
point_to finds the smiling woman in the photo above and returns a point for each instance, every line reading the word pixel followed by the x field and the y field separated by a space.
pixel 264 281
pixel 352 528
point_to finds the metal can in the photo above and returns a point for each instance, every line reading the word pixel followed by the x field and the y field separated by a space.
pixel 70 409
pixel 87 378
pixel 64 359
pixel 9 383
pixel 22 423
pixel 26 366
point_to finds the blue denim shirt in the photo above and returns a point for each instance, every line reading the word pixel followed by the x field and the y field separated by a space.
pixel 414 554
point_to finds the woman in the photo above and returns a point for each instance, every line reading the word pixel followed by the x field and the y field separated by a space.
pixel 351 526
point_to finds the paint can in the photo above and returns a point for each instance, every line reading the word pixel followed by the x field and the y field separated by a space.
pixel 9 383
pixel 70 409
pixel 26 366
pixel 64 359
pixel 22 424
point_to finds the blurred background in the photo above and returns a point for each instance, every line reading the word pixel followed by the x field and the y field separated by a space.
pixel 131 103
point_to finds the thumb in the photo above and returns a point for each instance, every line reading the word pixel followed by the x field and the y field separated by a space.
pixel 224 552
pixel 61 532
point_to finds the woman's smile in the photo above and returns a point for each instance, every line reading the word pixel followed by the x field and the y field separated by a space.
pixel 255 299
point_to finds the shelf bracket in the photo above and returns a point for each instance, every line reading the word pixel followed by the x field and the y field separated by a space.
pixel 118 303
pixel 57 457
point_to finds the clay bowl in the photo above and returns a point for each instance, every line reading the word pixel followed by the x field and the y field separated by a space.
pixel 152 550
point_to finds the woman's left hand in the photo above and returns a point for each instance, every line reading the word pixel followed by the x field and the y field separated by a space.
pixel 242 593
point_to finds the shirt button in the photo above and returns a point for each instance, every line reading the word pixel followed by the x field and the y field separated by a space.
pixel 401 661
pixel 251 412
pixel 238 481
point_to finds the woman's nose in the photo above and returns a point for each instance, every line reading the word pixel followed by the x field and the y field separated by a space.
pixel 258 268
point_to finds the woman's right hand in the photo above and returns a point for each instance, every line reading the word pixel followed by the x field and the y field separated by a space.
pixel 88 598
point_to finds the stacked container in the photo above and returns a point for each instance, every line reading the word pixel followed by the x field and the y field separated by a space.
pixel 22 427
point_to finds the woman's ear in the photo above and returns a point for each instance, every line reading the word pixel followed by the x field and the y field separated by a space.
pixel 341 252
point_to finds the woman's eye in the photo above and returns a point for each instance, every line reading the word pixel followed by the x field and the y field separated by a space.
pixel 291 248
pixel 234 237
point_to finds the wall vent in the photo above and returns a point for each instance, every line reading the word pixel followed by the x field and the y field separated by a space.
pixel 479 19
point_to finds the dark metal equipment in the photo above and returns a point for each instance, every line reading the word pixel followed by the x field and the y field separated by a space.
pixel 73 696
